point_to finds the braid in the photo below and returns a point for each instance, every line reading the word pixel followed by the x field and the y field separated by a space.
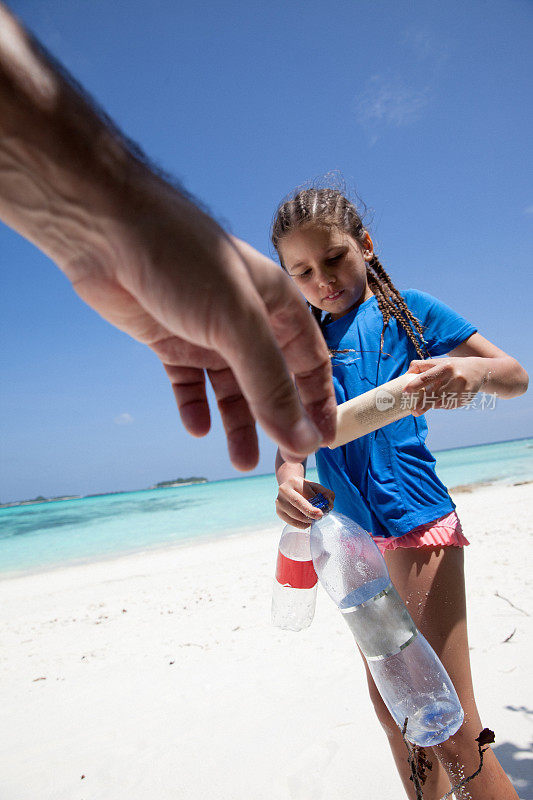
pixel 392 304
pixel 302 208
pixel 330 207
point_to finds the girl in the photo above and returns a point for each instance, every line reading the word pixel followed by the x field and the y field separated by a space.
pixel 386 480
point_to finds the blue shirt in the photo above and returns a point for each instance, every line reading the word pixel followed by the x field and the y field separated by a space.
pixel 386 480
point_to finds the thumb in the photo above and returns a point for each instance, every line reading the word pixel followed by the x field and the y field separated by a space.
pixel 250 349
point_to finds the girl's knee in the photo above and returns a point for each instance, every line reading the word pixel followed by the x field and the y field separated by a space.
pixel 461 747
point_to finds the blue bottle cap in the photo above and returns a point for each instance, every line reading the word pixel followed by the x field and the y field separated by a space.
pixel 319 501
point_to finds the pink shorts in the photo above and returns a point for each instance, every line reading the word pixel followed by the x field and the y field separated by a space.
pixel 442 532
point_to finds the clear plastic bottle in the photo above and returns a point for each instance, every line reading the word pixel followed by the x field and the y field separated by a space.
pixel 295 583
pixel 407 672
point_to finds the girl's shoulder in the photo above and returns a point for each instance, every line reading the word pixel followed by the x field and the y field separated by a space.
pixel 426 306
pixel 444 327
pixel 417 298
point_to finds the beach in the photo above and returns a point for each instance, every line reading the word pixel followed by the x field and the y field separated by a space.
pixel 158 674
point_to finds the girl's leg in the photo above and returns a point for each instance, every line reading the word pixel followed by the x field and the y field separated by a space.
pixel 437 782
pixel 431 582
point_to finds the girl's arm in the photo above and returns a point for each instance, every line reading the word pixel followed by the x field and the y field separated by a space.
pixel 474 365
pixel 502 374
pixel 292 504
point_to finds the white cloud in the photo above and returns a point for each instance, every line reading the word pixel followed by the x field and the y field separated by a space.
pixel 397 99
pixel 123 419
pixel 389 102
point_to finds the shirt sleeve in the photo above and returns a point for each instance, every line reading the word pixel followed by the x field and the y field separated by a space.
pixel 444 328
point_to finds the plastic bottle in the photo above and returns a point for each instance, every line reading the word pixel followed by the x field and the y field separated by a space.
pixel 407 672
pixel 295 583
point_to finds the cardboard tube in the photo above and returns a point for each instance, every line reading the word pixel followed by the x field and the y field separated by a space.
pixel 371 410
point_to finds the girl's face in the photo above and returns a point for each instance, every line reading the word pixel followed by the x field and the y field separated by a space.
pixel 329 267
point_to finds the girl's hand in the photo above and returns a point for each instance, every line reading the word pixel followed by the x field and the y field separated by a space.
pixel 444 383
pixel 292 504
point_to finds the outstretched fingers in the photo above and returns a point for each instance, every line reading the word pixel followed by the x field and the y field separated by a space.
pixel 306 355
pixel 188 385
pixel 262 375
pixel 300 341
pixel 184 364
pixel 239 424
pixel 187 376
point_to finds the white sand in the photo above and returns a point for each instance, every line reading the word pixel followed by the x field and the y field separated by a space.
pixel 159 676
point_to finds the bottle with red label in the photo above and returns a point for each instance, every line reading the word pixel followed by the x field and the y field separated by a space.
pixel 295 584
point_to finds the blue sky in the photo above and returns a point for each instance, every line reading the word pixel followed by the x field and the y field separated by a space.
pixel 424 107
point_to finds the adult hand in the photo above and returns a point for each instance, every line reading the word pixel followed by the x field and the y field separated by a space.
pixel 152 263
pixel 203 300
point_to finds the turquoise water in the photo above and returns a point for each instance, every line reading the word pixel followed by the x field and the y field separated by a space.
pixel 52 534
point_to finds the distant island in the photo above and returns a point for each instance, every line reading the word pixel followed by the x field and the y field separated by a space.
pixel 178 482
pixel 40 499
pixel 161 485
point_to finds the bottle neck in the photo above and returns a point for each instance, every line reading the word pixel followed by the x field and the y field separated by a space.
pixel 319 501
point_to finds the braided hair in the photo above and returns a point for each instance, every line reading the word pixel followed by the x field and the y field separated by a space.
pixel 327 207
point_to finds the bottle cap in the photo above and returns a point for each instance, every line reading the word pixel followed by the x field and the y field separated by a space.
pixel 319 501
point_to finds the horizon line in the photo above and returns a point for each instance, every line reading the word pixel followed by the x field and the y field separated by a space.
pixel 67 498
